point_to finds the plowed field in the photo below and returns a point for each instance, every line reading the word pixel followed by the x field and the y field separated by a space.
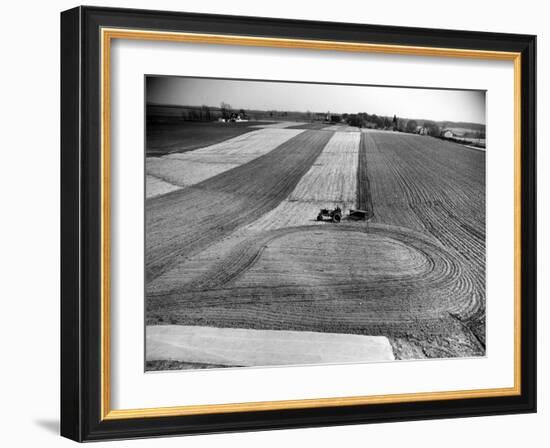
pixel 168 138
pixel 331 181
pixel 184 222
pixel 189 168
pixel 243 250
pixel 437 188
pixel 341 128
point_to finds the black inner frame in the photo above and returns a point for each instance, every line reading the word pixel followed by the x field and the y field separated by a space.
pixel 81 223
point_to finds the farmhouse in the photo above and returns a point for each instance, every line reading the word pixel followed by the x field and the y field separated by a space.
pixel 447 133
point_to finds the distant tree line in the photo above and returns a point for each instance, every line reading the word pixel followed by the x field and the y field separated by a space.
pixel 373 121
pixel 365 120
pixel 165 113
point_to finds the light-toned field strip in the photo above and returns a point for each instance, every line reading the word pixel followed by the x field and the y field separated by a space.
pixel 156 186
pixel 243 347
pixel 331 181
pixel 184 169
pixel 341 128
pixel 279 125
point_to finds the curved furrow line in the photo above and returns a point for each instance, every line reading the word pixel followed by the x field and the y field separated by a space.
pixel 437 271
pixel 240 259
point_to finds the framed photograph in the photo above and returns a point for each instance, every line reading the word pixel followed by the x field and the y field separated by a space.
pixel 276 224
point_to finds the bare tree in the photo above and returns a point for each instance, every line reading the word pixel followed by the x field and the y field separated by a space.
pixel 205 113
pixel 226 110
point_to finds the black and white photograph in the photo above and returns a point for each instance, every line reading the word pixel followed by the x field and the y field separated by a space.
pixel 275 224
pixel 296 223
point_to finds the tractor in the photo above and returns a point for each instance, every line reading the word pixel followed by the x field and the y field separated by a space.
pixel 334 215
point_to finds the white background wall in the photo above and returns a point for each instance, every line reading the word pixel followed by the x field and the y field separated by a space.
pixel 29 236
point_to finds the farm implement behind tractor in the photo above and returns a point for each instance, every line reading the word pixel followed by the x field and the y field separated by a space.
pixel 359 215
pixel 335 215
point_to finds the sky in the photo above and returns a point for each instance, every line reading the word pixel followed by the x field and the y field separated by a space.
pixel 431 104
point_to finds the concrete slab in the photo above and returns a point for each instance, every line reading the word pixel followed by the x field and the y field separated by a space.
pixel 244 347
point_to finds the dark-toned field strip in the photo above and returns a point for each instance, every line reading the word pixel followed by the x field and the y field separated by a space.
pixel 437 188
pixel 172 138
pixel 364 197
pixel 184 222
